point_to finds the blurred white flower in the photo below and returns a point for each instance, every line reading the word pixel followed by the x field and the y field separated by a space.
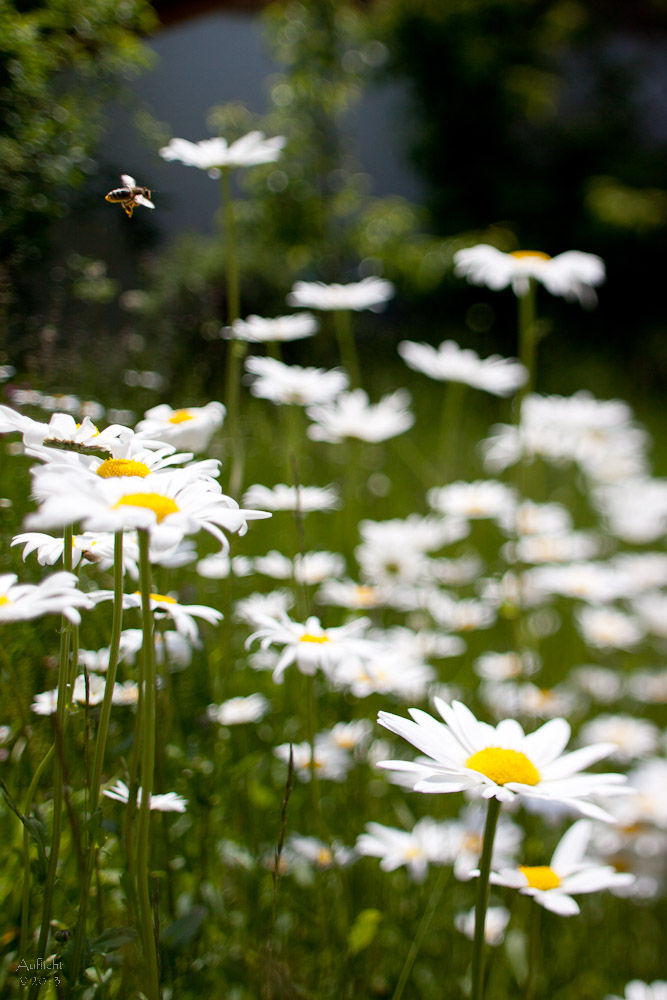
pixel 292 384
pixel 237 711
pixel 607 628
pixel 331 762
pixel 165 606
pixel 481 499
pixel 451 363
pixel 304 499
pixel 632 737
pixel 352 415
pixel 257 329
pixel 637 990
pixel 495 924
pixel 309 645
pixel 169 802
pixel 425 843
pixel 572 274
pixel 213 154
pixel 190 428
pixel 370 293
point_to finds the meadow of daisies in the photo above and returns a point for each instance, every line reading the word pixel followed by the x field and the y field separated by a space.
pixel 313 694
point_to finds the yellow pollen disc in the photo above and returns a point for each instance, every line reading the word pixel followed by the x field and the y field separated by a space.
pixel 122 467
pixel 365 595
pixel 307 637
pixel 161 506
pixel 180 416
pixel 504 765
pixel 4 600
pixel 521 254
pixel 413 852
pixel 540 876
pixel 159 597
pixel 324 856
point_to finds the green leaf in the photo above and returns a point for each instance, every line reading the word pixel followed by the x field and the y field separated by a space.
pixel 363 930
pixel 182 931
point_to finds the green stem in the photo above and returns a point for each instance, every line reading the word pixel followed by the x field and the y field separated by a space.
pixel 151 985
pixel 58 770
pixel 422 930
pixel 98 761
pixel 235 348
pixel 346 345
pixel 483 899
pixel 25 902
pixel 533 951
pixel 527 337
pixel 450 427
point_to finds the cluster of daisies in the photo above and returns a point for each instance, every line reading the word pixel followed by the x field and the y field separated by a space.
pixel 421 598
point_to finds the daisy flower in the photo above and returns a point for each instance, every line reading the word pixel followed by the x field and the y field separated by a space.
pixel 278 329
pixel 182 615
pixel 352 415
pixel 292 384
pixel 637 990
pixel 332 763
pixel 567 874
pixel 451 363
pixel 495 924
pixel 426 842
pixel 190 428
pixel 55 595
pixel 212 154
pixel 500 761
pixel 304 499
pixel 168 505
pixel 632 737
pixel 309 645
pixel 370 293
pixel 237 711
pixel 572 275
pixel 63 431
pixel 169 802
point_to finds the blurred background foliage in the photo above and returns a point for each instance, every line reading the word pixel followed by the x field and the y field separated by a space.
pixel 532 124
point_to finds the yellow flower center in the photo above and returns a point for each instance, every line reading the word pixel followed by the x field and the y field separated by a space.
pixel 503 766
pixel 161 506
pixel 540 876
pixel 324 857
pixel 307 637
pixel 159 597
pixel 521 254
pixel 180 416
pixel 365 595
pixel 122 467
pixel 413 852
pixel 4 600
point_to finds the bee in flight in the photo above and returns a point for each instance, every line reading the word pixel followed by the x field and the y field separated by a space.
pixel 130 195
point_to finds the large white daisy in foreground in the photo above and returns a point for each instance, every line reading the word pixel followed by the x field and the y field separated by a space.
pixel 500 761
pixel 568 873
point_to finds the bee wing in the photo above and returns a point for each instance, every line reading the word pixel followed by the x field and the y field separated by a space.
pixel 128 181
pixel 140 200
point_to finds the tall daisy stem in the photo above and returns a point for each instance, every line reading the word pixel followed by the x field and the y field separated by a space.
pixel 483 899
pixel 25 902
pixel 58 769
pixel 151 986
pixel 533 951
pixel 527 336
pixel 235 348
pixel 346 346
pixel 98 761
pixel 450 427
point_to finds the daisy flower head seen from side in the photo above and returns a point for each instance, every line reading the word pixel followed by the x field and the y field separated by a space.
pixel 451 363
pixel 292 384
pixel 351 415
pixel 638 990
pixel 278 329
pixel 305 499
pixel 501 762
pixel 56 594
pixel 572 275
pixel 214 154
pixel 369 293
pixel 308 645
pixel 567 874
pixel 190 428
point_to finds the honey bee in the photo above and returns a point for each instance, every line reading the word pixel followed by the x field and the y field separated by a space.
pixel 130 195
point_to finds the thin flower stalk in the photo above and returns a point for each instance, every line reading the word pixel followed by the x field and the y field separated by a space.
pixel 235 348
pixel 98 760
pixel 346 346
pixel 483 899
pixel 147 934
pixel 527 338
pixel 25 901
pixel 58 770
pixel 451 425
pixel 422 930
